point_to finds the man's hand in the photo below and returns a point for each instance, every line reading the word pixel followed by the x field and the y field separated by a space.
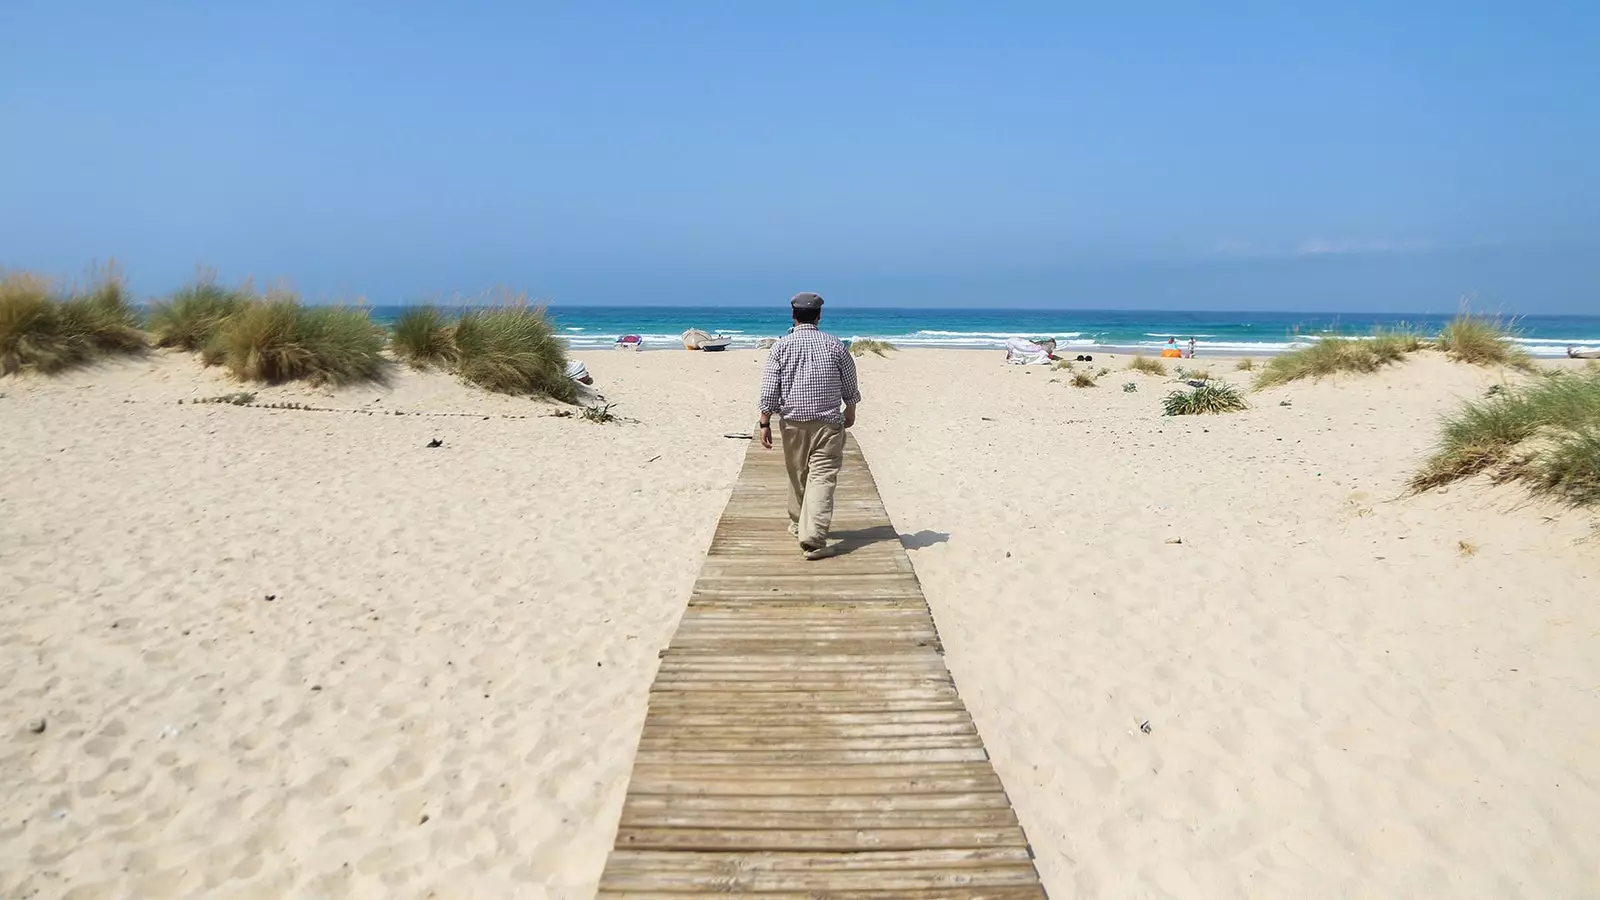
pixel 766 435
pixel 849 415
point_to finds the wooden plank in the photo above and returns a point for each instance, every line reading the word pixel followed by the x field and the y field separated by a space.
pixel 816 744
pixel 804 737
pixel 818 839
pixel 679 783
pixel 751 703
pixel 765 732
pixel 876 719
pixel 755 756
pixel 783 676
pixel 890 802
pixel 786 644
pixel 971 892
pixel 780 819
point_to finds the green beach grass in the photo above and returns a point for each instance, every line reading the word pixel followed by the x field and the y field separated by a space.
pixel 1208 399
pixel 192 316
pixel 277 339
pixel 423 337
pixel 1482 341
pixel 511 348
pixel 44 329
pixel 1335 354
pixel 1545 433
pixel 1467 338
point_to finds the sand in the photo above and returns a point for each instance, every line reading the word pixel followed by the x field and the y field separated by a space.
pixel 1350 692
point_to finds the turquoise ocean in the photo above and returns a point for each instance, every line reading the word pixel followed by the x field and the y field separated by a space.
pixel 1213 332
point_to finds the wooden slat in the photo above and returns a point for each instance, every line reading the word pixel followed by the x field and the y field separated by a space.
pixel 842 803
pixel 840 839
pixel 804 737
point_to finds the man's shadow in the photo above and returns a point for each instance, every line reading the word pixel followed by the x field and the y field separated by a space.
pixel 850 541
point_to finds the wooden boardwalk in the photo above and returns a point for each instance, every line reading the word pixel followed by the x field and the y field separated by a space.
pixel 804 738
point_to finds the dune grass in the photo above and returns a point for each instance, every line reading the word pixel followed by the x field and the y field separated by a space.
pixel 1482 341
pixel 192 316
pixel 1082 380
pixel 278 339
pixel 423 337
pixel 512 349
pixel 1545 433
pixel 863 346
pixel 1142 363
pixel 44 330
pixel 1210 399
pixel 1336 353
pixel 1248 364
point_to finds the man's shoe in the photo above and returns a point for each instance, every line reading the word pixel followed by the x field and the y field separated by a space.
pixel 816 552
pixel 794 529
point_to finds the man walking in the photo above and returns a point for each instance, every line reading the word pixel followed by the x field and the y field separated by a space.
pixel 809 376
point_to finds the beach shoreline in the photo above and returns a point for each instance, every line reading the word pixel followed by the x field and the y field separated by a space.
pixel 297 653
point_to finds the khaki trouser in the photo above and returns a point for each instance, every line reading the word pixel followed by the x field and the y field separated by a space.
pixel 813 452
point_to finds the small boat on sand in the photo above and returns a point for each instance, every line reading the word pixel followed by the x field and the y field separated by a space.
pixel 695 339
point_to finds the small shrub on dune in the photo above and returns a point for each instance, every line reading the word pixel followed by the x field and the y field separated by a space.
pixel 1142 363
pixel 863 346
pixel 1209 399
pixel 45 332
pixel 422 336
pixel 278 339
pixel 513 349
pixel 191 317
pixel 1082 380
pixel 1248 364
pixel 1482 341
pixel 1546 433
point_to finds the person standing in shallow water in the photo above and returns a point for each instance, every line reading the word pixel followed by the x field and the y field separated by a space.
pixel 809 376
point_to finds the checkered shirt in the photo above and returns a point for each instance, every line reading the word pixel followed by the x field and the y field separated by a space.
pixel 808 375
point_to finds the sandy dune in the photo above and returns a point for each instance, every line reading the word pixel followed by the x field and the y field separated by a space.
pixel 1349 692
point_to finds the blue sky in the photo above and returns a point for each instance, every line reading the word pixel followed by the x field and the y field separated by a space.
pixel 1345 156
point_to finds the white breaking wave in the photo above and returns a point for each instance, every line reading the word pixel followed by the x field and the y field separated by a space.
pixel 1001 335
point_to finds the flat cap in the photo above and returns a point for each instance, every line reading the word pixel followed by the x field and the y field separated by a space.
pixel 806 300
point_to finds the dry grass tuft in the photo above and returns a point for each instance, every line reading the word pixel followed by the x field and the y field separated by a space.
pixel 1482 341
pixel 1248 364
pixel 863 346
pixel 1147 365
pixel 44 330
pixel 1082 380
